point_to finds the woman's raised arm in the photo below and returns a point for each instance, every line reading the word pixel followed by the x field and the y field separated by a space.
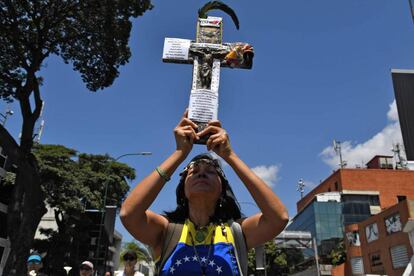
pixel 143 224
pixel 273 218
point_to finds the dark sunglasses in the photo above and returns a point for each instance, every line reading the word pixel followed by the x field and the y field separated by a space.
pixel 87 268
pixel 33 262
pixel 129 258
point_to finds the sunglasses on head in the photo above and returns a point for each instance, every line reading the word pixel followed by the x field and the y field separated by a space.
pixel 129 258
pixel 213 163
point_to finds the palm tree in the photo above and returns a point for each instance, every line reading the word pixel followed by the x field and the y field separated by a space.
pixel 218 5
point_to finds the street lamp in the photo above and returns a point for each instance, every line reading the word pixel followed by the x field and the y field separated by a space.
pixel 67 269
pixel 103 211
pixel 8 113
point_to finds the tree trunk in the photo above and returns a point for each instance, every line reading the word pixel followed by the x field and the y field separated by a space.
pixel 27 203
pixel 25 212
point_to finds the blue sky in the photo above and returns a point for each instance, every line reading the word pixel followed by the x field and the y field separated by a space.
pixel 322 70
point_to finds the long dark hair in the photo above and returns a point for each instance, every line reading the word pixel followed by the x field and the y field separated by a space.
pixel 227 207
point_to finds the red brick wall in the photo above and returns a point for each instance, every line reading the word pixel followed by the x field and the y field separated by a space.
pixel 389 183
pixel 338 270
pixel 325 186
pixel 385 241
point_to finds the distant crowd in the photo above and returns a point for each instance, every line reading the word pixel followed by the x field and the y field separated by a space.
pixel 86 268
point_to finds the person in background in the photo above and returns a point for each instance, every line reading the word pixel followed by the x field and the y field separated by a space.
pixel 86 269
pixel 130 260
pixel 34 265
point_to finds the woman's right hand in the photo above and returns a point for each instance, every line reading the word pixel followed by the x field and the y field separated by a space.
pixel 185 134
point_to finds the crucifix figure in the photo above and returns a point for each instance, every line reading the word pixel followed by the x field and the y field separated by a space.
pixel 207 54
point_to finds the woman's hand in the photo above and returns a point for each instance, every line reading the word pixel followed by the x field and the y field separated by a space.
pixel 185 135
pixel 219 140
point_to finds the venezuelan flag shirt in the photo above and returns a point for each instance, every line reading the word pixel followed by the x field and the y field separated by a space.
pixel 212 253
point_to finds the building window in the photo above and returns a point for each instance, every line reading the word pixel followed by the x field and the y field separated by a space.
pixel 354 211
pixel 375 261
pixel 370 199
pixel 353 238
pixel 357 266
pixel 401 198
pixel 399 256
pixel 2 161
pixel 371 232
pixel 393 223
pixel 336 186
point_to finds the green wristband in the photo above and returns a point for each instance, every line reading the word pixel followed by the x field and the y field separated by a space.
pixel 162 174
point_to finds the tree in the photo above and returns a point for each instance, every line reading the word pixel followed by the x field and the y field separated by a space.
pixel 92 36
pixel 338 254
pixel 279 261
pixel 72 182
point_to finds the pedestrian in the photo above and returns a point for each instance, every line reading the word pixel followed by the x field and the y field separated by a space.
pixel 130 258
pixel 34 265
pixel 86 269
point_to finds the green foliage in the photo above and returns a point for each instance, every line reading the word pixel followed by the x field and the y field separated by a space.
pixel 142 252
pixel 338 255
pixel 8 179
pixel 279 261
pixel 92 35
pixel 73 181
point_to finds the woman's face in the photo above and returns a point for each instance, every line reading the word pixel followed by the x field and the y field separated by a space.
pixel 130 263
pixel 202 180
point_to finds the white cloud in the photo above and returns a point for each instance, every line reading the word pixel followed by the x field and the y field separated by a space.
pixel 269 174
pixel 392 114
pixel 309 184
pixel 380 144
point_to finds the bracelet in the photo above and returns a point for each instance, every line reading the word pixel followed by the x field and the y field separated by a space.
pixel 162 174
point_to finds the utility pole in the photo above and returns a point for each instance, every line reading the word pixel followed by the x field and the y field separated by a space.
pixel 410 2
pixel 338 150
pixel 400 162
pixel 301 186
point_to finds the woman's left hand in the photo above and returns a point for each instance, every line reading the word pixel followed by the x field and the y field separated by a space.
pixel 219 140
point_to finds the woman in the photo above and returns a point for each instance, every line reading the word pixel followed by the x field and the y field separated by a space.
pixel 130 258
pixel 206 205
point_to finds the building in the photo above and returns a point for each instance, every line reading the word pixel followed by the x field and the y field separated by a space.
pixel 89 234
pixel 7 163
pixel 322 218
pixel 348 197
pixel 4 242
pixel 115 250
pixel 378 245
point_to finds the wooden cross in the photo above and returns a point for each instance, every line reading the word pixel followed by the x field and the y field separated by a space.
pixel 207 54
